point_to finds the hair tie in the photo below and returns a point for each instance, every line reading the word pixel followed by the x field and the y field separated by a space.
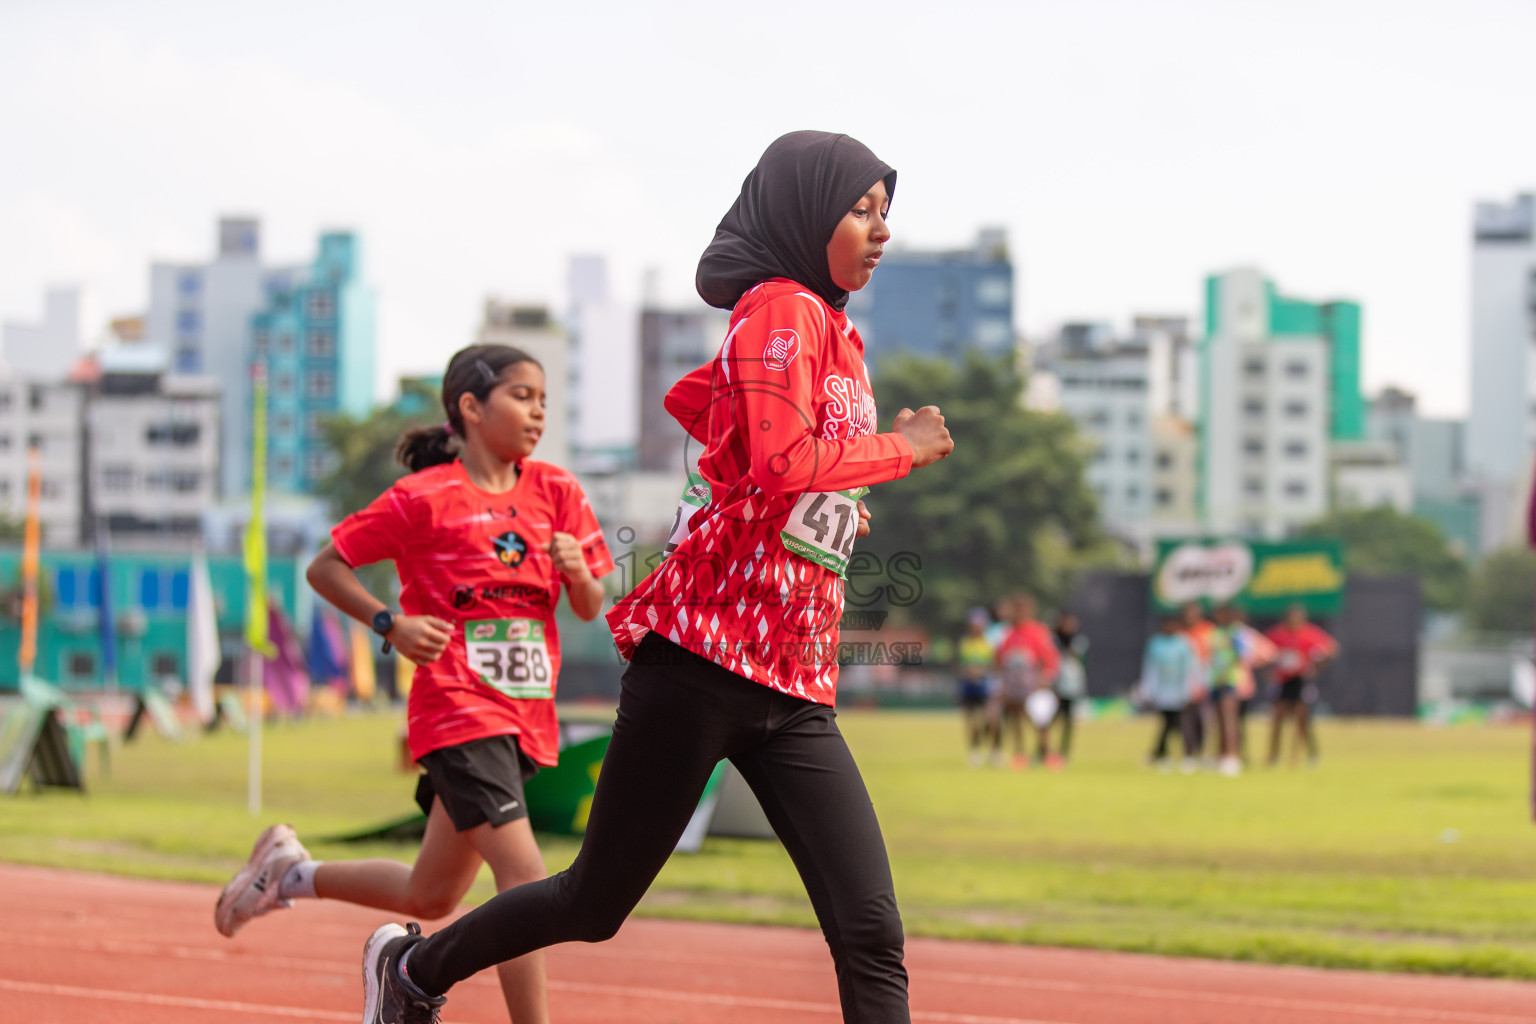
pixel 490 375
pixel 448 428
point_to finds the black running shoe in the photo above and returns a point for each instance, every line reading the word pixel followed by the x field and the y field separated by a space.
pixel 389 998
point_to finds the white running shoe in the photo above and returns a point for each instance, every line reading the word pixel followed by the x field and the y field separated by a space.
pixel 256 888
pixel 1231 767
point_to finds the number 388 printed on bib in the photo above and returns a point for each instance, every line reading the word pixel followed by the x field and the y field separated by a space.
pixel 822 526
pixel 509 655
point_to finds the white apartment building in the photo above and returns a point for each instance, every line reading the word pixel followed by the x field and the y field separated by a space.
pixel 530 328
pixel 1501 430
pixel 47 416
pixel 153 456
pixel 1370 474
pixel 1175 477
pixel 49 348
pixel 1265 425
pixel 202 313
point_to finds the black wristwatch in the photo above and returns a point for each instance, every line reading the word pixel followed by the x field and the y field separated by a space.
pixel 383 622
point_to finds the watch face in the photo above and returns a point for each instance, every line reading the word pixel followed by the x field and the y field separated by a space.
pixel 382 622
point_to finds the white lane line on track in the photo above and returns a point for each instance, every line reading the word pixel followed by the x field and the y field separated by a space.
pixel 184 1002
pixel 576 988
pixel 1100 990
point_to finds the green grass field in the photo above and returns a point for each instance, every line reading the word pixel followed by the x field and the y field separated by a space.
pixel 1410 849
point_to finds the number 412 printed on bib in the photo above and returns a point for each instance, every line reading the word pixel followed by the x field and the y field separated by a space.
pixel 822 526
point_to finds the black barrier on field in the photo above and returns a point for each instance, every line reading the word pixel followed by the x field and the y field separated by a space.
pixel 1376 672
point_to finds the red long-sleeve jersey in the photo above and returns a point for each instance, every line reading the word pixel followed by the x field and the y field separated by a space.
pixel 784 410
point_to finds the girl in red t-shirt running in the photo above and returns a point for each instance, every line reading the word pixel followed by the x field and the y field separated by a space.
pixel 483 538
pixel 732 640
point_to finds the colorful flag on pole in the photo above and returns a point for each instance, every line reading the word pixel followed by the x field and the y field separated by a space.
pixel 203 653
pixel 105 620
pixel 286 680
pixel 328 652
pixel 365 680
pixel 31 543
pixel 256 615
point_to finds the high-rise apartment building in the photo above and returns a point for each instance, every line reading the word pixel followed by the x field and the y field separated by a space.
pixel 314 333
pixel 939 303
pixel 1501 426
pixel 530 328
pixel 1279 383
pixel 318 320
pixel 603 353
pixel 672 344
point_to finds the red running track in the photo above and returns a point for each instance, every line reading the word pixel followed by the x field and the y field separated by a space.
pixel 91 949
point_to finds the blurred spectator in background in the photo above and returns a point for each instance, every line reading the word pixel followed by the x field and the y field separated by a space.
pixel 1302 649
pixel 1026 662
pixel 1071 676
pixel 1170 675
pixel 974 660
pixel 1199 633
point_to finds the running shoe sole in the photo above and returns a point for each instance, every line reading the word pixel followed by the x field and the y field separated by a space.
pixel 373 950
pixel 226 913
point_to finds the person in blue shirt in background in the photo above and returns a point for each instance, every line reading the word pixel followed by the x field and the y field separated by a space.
pixel 1170 679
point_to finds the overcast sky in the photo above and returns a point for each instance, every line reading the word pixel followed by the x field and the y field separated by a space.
pixel 1128 147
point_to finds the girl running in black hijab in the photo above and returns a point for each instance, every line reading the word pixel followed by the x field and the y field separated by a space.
pixel 732 641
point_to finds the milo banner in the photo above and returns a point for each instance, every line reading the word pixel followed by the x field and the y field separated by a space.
pixel 1265 578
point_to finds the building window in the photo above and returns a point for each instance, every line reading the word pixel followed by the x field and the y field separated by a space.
pixel 1253 446
pixel 282 426
pixel 1133 456
pixel 1295 489
pixel 319 464
pixel 320 384
pixel 1254 487
pixel 163 589
pixel 1097 418
pixel 5 442
pixel 1296 369
pixel 993 291
pixel 188 321
pixel 164 665
pixel 1132 494
pixel 1253 406
pixel 52 489
pixel 1254 367
pixel 1133 419
pixel 80 664
pixel 77 587
pixel 1296 449
pixel 284 384
pixel 321 306
pixel 322 343
pixel 284 342
pixel 1164 460
pixel 282 466
pixel 188 360
pixel 1164 497
pixel 189 283
pixel 117 478
pixel 1296 409
pixel 182 435
pixel 259 341
pixel 35 397
pixel 5 400
pixel 314 425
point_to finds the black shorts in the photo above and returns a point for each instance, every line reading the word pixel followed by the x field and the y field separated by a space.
pixel 479 781
pixel 1290 689
pixel 1221 691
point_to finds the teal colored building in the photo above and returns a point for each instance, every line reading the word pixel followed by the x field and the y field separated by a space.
pixel 315 335
pixel 150 594
pixel 1279 387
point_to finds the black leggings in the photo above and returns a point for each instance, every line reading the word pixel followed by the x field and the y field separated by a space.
pixel 1184 722
pixel 679 714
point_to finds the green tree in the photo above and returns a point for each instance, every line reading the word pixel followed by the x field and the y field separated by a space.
pixel 1384 540
pixel 1502 596
pixel 1008 511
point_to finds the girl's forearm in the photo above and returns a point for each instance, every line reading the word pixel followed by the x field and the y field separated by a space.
pixel 586 598
pixel 335 581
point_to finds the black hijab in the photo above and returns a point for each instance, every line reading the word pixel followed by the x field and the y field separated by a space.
pixel 804 183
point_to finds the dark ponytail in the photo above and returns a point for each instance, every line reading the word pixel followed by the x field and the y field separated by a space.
pixel 474 370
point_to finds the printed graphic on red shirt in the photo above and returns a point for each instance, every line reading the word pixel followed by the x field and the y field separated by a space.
pixel 481 562
pixel 778 421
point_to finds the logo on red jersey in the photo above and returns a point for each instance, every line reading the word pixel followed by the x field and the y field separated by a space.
pixel 850 408
pixel 783 346
pixel 511 549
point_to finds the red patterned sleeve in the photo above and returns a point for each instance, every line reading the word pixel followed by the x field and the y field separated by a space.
pixel 376 533
pixel 769 366
pixel 577 519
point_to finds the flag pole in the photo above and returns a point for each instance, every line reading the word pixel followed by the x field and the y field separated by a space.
pixel 31 542
pixel 256 613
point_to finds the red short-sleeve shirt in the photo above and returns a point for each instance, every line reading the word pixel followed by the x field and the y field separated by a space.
pixel 1298 648
pixel 480 561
